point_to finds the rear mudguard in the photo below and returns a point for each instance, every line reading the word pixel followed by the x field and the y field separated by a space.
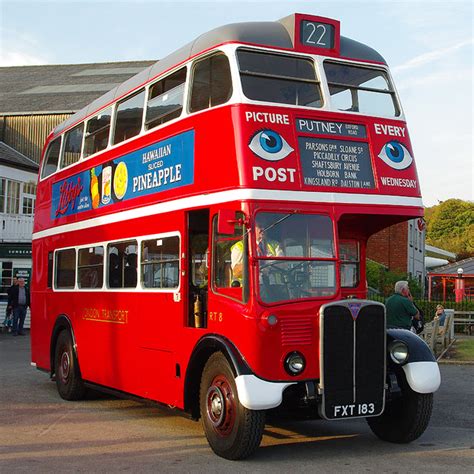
pixel 421 369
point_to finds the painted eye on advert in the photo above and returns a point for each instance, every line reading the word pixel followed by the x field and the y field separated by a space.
pixel 396 155
pixel 270 145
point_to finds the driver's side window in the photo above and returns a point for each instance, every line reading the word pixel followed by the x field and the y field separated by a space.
pixel 230 260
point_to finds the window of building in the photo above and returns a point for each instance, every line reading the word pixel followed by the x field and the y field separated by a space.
pixel 128 121
pixel 97 132
pixel 122 264
pixel 3 192
pixel 279 78
pixel 90 267
pixel 13 197
pixel 359 89
pixel 51 159
pixel 165 101
pixel 29 198
pixel 6 279
pixel 212 83
pixel 160 263
pixel 65 268
pixel 28 205
pixel 72 146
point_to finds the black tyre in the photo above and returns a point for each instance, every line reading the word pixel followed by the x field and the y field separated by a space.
pixel 405 418
pixel 233 431
pixel 68 377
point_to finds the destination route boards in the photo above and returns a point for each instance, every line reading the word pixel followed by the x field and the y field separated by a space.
pixel 334 162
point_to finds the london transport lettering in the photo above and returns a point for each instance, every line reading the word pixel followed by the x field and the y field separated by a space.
pixel 118 316
pixel 165 165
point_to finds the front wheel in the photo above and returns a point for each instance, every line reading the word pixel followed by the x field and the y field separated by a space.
pixel 404 418
pixel 68 378
pixel 233 431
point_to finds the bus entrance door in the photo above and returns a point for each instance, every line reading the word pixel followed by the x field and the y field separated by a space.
pixel 198 274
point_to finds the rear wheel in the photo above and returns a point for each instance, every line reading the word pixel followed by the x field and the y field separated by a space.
pixel 233 431
pixel 405 418
pixel 68 378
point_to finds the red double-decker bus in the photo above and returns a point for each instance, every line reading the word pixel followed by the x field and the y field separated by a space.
pixel 200 237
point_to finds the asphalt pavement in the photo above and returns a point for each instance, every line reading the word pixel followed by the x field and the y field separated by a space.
pixel 40 432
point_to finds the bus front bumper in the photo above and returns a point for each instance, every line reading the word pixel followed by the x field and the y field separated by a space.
pixel 258 394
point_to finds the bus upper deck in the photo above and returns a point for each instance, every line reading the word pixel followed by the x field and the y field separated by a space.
pixel 244 110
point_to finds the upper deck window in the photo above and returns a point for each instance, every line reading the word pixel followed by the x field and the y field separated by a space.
pixel 51 158
pixel 360 89
pixel 165 101
pixel 279 78
pixel 72 146
pixel 212 82
pixel 128 122
pixel 97 132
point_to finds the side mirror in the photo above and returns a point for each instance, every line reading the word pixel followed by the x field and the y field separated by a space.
pixel 226 222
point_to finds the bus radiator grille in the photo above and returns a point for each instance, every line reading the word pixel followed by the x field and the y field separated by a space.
pixel 296 331
pixel 352 360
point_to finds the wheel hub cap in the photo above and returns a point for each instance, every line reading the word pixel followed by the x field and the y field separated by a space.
pixel 65 367
pixel 221 406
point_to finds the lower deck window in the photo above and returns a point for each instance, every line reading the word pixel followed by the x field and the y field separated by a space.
pixel 160 263
pixel 122 264
pixel 90 269
pixel 65 269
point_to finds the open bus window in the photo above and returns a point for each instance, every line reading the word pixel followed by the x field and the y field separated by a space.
pixel 212 82
pixel 279 78
pixel 90 267
pixel 97 132
pixel 128 120
pixel 160 263
pixel 65 269
pixel 72 146
pixel 350 263
pixel 51 158
pixel 358 89
pixel 122 264
pixel 165 101
pixel 230 260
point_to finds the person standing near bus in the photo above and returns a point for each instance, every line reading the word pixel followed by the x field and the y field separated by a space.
pixel 400 307
pixel 19 300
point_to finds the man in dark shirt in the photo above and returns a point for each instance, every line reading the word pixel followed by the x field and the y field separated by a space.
pixel 19 300
pixel 400 307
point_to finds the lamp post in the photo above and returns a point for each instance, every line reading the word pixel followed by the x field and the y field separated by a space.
pixel 459 286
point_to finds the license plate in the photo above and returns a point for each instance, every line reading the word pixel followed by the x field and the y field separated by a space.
pixel 356 409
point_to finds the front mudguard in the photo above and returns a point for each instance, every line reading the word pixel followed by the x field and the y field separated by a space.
pixel 421 369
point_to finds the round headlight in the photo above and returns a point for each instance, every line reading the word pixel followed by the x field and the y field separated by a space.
pixel 272 320
pixel 398 352
pixel 295 363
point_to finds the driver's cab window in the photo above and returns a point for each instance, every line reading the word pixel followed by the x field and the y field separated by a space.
pixel 230 259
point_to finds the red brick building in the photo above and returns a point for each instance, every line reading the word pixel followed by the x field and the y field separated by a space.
pixel 401 248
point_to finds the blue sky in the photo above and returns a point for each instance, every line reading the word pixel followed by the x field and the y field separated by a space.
pixel 428 45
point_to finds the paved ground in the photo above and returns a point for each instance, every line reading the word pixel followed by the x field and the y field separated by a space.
pixel 40 432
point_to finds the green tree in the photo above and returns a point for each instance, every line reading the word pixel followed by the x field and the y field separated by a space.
pixel 450 225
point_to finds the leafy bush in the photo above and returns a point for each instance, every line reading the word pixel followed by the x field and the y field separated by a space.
pixel 383 280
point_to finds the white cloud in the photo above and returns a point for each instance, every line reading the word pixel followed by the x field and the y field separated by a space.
pixel 431 56
pixel 20 49
pixel 19 58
